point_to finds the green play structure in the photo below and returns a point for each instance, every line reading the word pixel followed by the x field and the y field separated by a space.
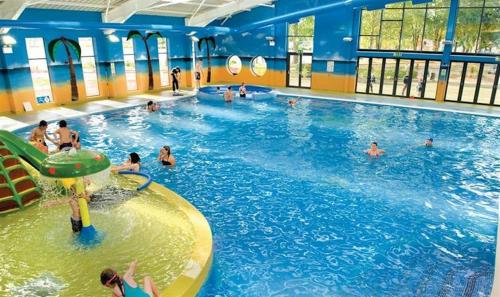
pixel 18 188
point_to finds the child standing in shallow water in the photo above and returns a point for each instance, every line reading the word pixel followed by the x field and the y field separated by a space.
pixel 127 286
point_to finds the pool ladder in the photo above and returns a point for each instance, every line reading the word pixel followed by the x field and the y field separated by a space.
pixel 18 188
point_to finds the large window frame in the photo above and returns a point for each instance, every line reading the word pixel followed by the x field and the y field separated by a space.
pixel 391 16
pixel 39 70
pixel 89 66
pixel 129 64
pixel 163 61
pixel 478 5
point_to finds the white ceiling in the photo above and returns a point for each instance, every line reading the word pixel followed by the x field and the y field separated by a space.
pixel 120 10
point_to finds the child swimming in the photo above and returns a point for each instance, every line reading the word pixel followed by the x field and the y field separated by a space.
pixel 133 163
pixel 126 286
pixel 374 151
pixel 152 107
pixel 66 136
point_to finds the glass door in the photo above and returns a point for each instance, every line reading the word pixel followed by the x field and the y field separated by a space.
pixel 418 78
pixel 299 70
pixel 487 83
pixel 470 82
pixel 431 79
pixel 404 78
pixel 363 65
pixel 375 76
pixel 389 76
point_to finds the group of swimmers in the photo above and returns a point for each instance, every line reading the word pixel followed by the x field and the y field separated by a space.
pixel 64 139
pixel 374 151
pixel 133 163
pixel 229 96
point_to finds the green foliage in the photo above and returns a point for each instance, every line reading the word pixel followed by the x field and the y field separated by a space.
pixel 301 35
pixel 134 34
pixel 52 47
pixel 153 34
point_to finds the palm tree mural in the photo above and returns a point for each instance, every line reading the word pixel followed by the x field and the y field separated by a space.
pixel 134 34
pixel 75 47
pixel 209 41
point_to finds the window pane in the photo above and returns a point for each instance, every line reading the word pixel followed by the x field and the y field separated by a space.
pixel 233 65
pixel 41 80
pixel 390 35
pixel 497 96
pixel 487 81
pixel 392 14
pixel 491 3
pixel 471 3
pixel 376 73
pixel 300 43
pixel 489 40
pixel 90 76
pixel 87 46
pixel 370 22
pixel 470 82
pixel 389 74
pixel 467 30
pixel 306 71
pixel 129 61
pixel 435 29
pixel 163 61
pixel 35 48
pixel 417 79
pixel 368 42
pixel 362 75
pixel 432 79
pixel 294 69
pixel 413 29
pixel 454 81
pixel 128 46
pixel 439 3
pixel 258 66
pixel 403 77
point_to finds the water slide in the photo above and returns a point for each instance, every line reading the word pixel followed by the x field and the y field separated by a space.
pixel 18 188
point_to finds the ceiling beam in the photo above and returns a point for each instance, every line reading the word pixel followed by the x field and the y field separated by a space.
pixel 205 18
pixel 124 11
pixel 11 10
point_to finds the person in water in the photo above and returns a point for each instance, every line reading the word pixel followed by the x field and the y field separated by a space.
pixel 76 142
pixel 292 102
pixel 428 142
pixel 243 90
pixel 217 90
pixel 228 95
pixel 374 151
pixel 152 107
pixel 165 157
pixel 126 286
pixel 38 136
pixel 133 164
pixel 66 136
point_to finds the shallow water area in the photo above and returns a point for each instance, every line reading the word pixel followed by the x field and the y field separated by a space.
pixel 41 256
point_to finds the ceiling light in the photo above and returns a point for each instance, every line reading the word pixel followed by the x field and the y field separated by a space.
pixel 113 38
pixel 8 40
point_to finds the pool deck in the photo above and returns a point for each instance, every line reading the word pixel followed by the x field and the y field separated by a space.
pixel 12 122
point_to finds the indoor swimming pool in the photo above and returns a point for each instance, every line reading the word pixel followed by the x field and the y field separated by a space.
pixel 298 209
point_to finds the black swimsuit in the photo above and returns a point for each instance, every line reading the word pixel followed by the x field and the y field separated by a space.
pixel 166 163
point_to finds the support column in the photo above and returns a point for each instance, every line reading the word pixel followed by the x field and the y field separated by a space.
pixel 444 71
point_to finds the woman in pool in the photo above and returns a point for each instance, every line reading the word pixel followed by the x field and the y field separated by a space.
pixel 152 107
pixel 374 151
pixel 428 142
pixel 228 95
pixel 165 157
pixel 133 164
pixel 243 90
pixel 126 286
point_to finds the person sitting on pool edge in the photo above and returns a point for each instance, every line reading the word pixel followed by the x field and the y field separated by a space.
pixel 374 151
pixel 126 286
pixel 428 142
pixel 152 107
pixel 228 95
pixel 66 135
pixel 165 157
pixel 243 90
pixel 133 164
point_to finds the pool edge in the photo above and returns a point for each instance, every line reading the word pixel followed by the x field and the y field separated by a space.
pixel 190 281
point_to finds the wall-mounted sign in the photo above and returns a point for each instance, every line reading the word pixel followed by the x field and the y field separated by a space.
pixel 7 49
pixel 330 66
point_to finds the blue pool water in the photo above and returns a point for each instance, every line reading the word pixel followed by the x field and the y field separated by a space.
pixel 297 209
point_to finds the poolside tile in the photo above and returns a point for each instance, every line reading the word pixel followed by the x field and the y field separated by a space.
pixel 9 124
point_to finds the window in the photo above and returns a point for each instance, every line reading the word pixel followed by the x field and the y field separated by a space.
pixel 88 66
pixel 478 28
pixel 233 65
pixel 129 61
pixel 301 36
pixel 163 61
pixel 258 66
pixel 39 70
pixel 405 26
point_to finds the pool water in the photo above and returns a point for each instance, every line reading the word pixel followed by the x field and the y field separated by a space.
pixel 41 257
pixel 297 209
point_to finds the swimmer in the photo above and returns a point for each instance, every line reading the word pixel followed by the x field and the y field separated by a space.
pixel 217 90
pixel 38 135
pixel 133 164
pixel 374 151
pixel 152 107
pixel 165 157
pixel 228 95
pixel 292 102
pixel 127 286
pixel 66 136
pixel 428 142
pixel 243 90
